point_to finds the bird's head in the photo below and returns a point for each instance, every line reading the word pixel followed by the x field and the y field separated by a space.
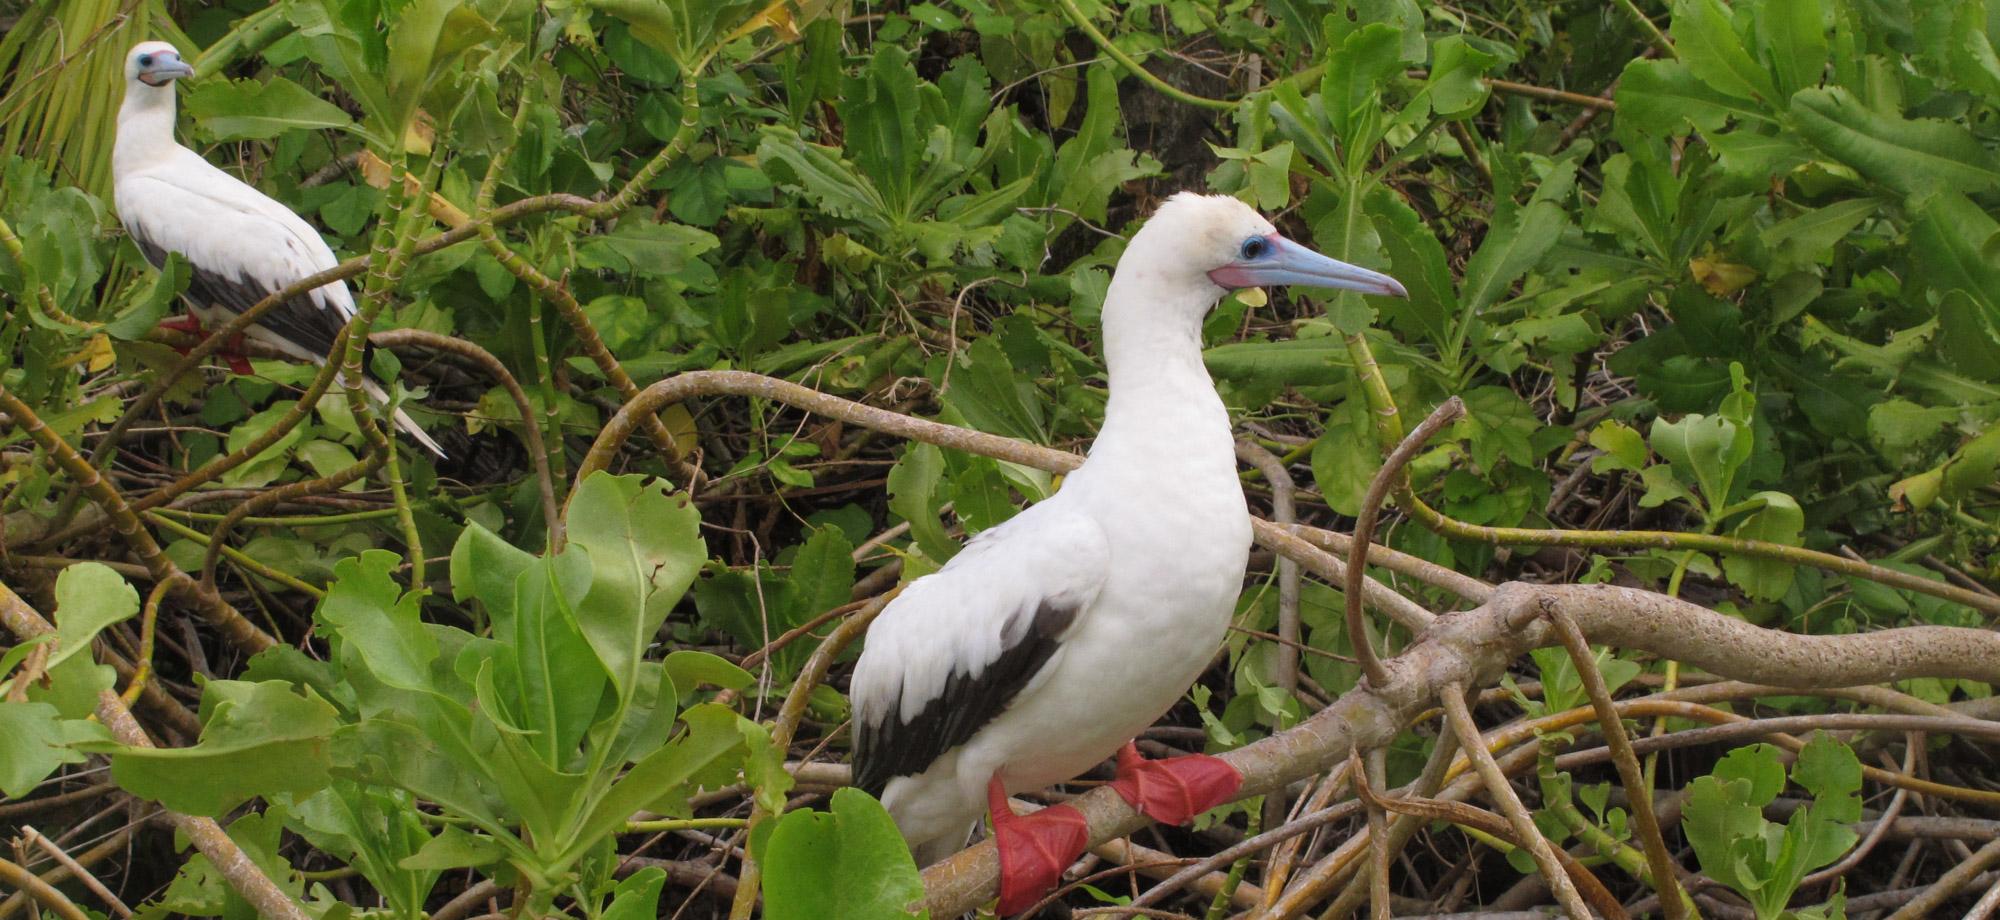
pixel 1218 241
pixel 155 64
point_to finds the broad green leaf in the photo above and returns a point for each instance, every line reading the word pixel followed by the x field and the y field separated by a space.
pixel 637 896
pixel 89 597
pixel 378 623
pixel 644 247
pixel 257 739
pixel 1706 448
pixel 1624 448
pixel 913 494
pixel 1906 156
pixel 712 732
pixel 453 848
pixel 561 680
pixel 645 547
pixel 1948 237
pixel 1779 521
pixel 485 567
pixel 850 862
pixel 233 110
pixel 1453 86
pixel 35 740
pixel 1829 770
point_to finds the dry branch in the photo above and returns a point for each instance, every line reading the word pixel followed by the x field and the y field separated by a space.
pixel 235 867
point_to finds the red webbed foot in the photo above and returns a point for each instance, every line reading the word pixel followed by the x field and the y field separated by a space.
pixel 186 322
pixel 1034 848
pixel 232 355
pixel 1173 791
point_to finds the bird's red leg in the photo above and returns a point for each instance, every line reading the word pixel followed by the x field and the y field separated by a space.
pixel 1174 790
pixel 1034 849
pixel 187 323
pixel 231 354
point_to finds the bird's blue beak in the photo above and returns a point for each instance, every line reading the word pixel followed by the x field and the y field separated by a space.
pixel 1284 262
pixel 166 68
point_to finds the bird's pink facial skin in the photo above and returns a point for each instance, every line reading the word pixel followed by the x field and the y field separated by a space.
pixel 1272 260
pixel 161 67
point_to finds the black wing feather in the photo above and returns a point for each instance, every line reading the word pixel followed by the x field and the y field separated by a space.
pixel 896 747
pixel 298 319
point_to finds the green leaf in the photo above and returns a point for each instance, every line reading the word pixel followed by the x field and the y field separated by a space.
pixel 1829 770
pixel 1512 247
pixel 1708 44
pixel 637 896
pixel 1794 33
pixel 485 567
pixel 913 494
pixel 453 848
pixel 89 597
pixel 1707 448
pixel 234 110
pixel 1907 156
pixel 1624 448
pixel 257 739
pixel 1779 521
pixel 712 732
pixel 850 862
pixel 35 740
pixel 645 247
pixel 561 680
pixel 377 622
pixel 645 547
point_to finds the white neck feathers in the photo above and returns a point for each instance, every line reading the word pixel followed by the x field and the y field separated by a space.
pixel 145 127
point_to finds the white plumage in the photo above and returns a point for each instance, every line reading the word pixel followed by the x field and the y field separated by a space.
pixel 1054 638
pixel 241 245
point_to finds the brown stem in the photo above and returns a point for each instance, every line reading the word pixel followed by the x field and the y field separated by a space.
pixel 1951 883
pixel 1390 475
pixel 1487 822
pixel 43 893
pixel 217 611
pixel 1502 793
pixel 593 345
pixel 1672 899
pixel 531 430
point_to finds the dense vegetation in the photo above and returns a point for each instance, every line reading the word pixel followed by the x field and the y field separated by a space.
pixel 1724 273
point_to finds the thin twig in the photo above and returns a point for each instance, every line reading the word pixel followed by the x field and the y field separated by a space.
pixel 1502 793
pixel 1646 824
pixel 217 611
pixel 531 430
pixel 43 893
pixel 77 871
pixel 1389 476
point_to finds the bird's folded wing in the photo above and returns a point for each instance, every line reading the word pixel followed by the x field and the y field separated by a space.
pixel 950 653
pixel 239 252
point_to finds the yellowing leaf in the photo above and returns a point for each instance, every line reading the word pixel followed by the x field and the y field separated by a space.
pixel 95 355
pixel 1253 297
pixel 1718 277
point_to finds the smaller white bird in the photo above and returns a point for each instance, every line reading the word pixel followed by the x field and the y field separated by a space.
pixel 1054 638
pixel 240 245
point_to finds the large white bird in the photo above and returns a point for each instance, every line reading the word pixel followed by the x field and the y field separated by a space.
pixel 1052 640
pixel 241 245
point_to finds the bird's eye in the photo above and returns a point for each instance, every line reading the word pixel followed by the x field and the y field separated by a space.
pixel 145 60
pixel 1254 247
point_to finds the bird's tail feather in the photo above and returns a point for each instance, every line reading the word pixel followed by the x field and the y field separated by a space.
pixel 403 420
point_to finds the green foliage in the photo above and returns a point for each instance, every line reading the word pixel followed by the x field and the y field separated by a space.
pixel 847 862
pixel 1759 859
pixel 1758 300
